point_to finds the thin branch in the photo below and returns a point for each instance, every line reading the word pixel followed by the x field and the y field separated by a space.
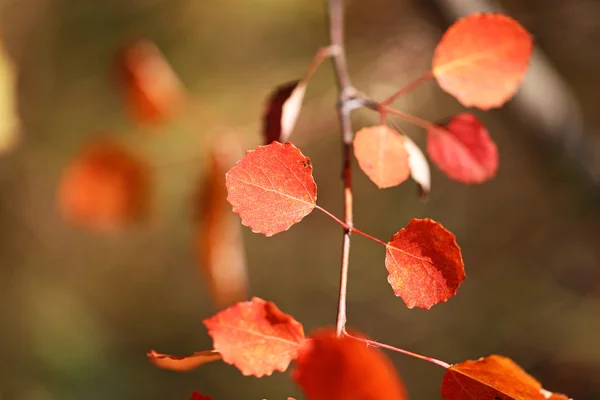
pixel 346 93
pixel 351 228
pixel 399 350
pixel 407 88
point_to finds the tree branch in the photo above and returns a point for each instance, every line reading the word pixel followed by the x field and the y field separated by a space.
pixel 346 93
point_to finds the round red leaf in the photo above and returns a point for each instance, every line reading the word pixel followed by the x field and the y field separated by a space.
pixel 482 58
pixel 272 188
pixel 381 155
pixel 331 367
pixel 463 149
pixel 256 337
pixel 424 263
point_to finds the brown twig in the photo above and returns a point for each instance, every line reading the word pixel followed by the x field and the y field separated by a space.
pixel 346 94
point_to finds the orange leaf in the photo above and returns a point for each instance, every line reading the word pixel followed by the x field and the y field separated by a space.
pixel 482 58
pixel 345 368
pixel 10 121
pixel 219 241
pixel 492 377
pixel 463 149
pixel 256 337
pixel 152 89
pixel 185 363
pixel 281 111
pixel 272 188
pixel 424 263
pixel 381 155
pixel 199 396
pixel 105 187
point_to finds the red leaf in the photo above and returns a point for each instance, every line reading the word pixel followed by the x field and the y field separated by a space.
pixel 185 363
pixel 153 91
pixel 345 368
pixel 463 149
pixel 219 241
pixel 105 187
pixel 482 58
pixel 381 155
pixel 256 337
pixel 281 111
pixel 272 188
pixel 424 263
pixel 493 377
pixel 199 396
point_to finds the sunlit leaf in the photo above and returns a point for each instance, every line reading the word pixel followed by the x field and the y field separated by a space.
pixel 219 241
pixel 281 111
pixel 10 122
pixel 105 187
pixel 424 263
pixel 153 92
pixel 185 363
pixel 493 377
pixel 419 167
pixel 482 58
pixel 272 188
pixel 256 337
pixel 463 149
pixel 331 367
pixel 381 155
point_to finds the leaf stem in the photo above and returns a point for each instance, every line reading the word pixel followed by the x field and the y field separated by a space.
pixel 383 109
pixel 407 88
pixel 399 350
pixel 346 93
pixel 351 228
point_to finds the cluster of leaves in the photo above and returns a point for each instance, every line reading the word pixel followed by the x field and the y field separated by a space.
pixel 480 60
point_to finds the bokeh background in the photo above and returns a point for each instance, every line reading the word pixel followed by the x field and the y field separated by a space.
pixel 79 310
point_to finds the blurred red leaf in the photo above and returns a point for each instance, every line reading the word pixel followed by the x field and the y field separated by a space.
pixel 482 58
pixel 105 187
pixel 424 263
pixel 199 396
pixel 492 377
pixel 218 239
pixel 381 155
pixel 331 367
pixel 256 337
pixel 272 188
pixel 185 363
pixel 281 111
pixel 152 89
pixel 463 149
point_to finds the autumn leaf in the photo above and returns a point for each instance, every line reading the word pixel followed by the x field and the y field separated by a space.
pixel 424 263
pixel 381 155
pixel 272 188
pixel 218 239
pixel 105 187
pixel 281 111
pixel 185 363
pixel 419 167
pixel 482 58
pixel 492 377
pixel 463 149
pixel 331 367
pixel 256 337
pixel 10 121
pixel 199 396
pixel 153 91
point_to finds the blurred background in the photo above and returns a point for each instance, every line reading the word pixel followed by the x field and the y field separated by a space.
pixel 79 309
